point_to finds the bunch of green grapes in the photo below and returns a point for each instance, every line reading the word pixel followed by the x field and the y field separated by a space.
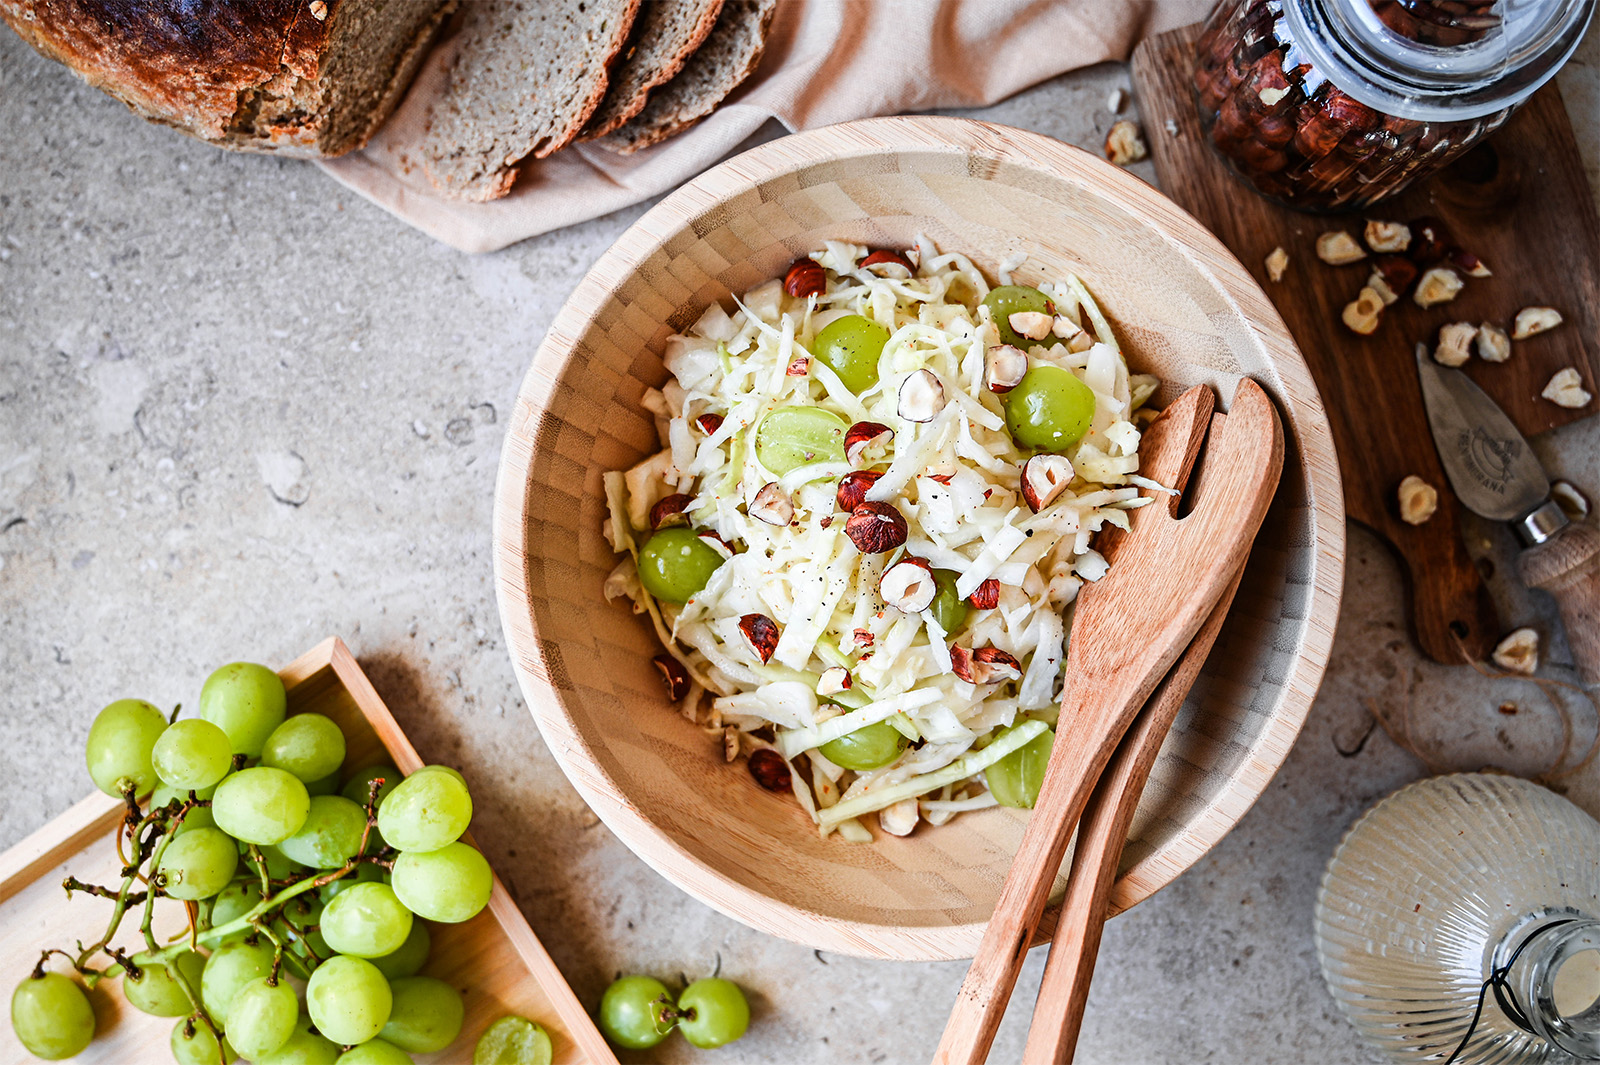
pixel 293 876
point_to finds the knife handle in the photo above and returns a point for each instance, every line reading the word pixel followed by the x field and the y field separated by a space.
pixel 1568 567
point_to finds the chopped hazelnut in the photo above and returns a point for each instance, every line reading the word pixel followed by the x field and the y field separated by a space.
pixel 1044 477
pixel 921 396
pixel 1418 500
pixel 1531 321
pixel 1493 344
pixel 1518 652
pixel 1439 284
pixel 835 679
pixel 1469 263
pixel 1362 313
pixel 1388 237
pixel 761 634
pixel 1455 344
pixel 1339 248
pixel 1377 284
pixel 1006 368
pixel 908 585
pixel 772 505
pixel 1031 324
pixel 1115 100
pixel 1566 390
pixel 1125 144
pixel 900 818
pixel 1277 263
pixel 1572 502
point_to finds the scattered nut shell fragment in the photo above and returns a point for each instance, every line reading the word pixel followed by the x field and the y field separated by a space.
pixel 1277 263
pixel 674 675
pixel 1439 284
pixel 761 633
pixel 1125 143
pixel 1388 238
pixel 1418 500
pixel 772 505
pixel 1566 390
pixel 1573 503
pixel 1006 367
pixel 1531 321
pixel 1518 652
pixel 921 396
pixel 1492 343
pixel 853 486
pixel 1034 325
pixel 891 264
pixel 876 528
pixel 835 679
pixel 899 818
pixel 770 770
pixel 1338 248
pixel 861 436
pixel 1455 344
pixel 1361 315
pixel 1468 263
pixel 908 585
pixel 985 596
pixel 1044 477
pixel 806 277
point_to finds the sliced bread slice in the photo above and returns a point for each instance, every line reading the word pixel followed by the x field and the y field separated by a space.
pixel 527 76
pixel 665 35
pixel 729 55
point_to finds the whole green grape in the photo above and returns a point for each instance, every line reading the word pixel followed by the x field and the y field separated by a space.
pixel 51 1016
pixel 868 747
pixel 451 770
pixel 355 789
pixel 366 921
pixel 261 1018
pixel 948 608
pixel 851 347
pixel 304 1047
pixel 197 1044
pixel 199 864
pixel 192 753
pixel 157 993
pixel 279 865
pixel 348 999
pixel 198 817
pixel 712 1012
pixel 247 702
pixel 233 902
pixel 310 746
pixel 363 874
pixel 1007 300
pixel 375 1052
pixel 1014 780
pixel 409 959
pixel 425 811
pixel 791 437
pixel 448 885
pixel 230 967
pixel 1050 410
pixel 674 564
pixel 260 805
pixel 330 835
pixel 328 785
pixel 120 745
pixel 426 1016
pixel 633 1012
pixel 513 1041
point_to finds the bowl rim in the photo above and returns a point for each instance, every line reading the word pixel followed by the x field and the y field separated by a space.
pixel 1204 827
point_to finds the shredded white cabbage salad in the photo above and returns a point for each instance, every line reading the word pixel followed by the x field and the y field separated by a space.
pixel 809 633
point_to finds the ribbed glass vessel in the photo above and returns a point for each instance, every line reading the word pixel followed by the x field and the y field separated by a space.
pixel 1446 881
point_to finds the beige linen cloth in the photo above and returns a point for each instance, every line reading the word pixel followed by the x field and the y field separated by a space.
pixel 826 61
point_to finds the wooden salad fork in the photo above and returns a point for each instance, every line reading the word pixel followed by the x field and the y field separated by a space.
pixel 1128 630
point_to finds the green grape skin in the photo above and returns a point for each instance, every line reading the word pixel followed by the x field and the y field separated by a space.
pixel 261 1017
pixel 299 914
pixel 233 902
pixel 426 811
pixel 330 835
pixel 192 753
pixel 120 744
pixel 632 1012
pixel 279 865
pixel 1049 410
pixel 1015 779
pixel 674 564
pixel 198 817
pixel 199 864
pixel 513 1041
pixel 451 770
pixel 948 608
pixel 52 1016
pixel 247 702
pixel 304 1047
pixel 157 993
pixel 449 885
pixel 426 1017
pixel 1006 300
pixel 366 921
pixel 713 1013
pixel 355 789
pixel 260 805
pixel 348 999
pixel 411 955
pixel 375 1052
pixel 851 347
pixel 868 747
pixel 200 1046
pixel 364 873
pixel 791 437
pixel 328 785
pixel 308 745
pixel 230 967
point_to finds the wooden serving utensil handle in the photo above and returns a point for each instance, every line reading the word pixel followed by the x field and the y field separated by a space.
pixel 1568 567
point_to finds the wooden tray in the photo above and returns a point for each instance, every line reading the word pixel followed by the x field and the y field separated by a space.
pixel 494 959
pixel 1520 202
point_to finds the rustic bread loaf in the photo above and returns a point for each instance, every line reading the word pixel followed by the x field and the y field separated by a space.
pixel 729 55
pixel 665 35
pixel 526 77
pixel 297 77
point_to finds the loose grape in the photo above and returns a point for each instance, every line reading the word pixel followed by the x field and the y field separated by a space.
pixel 868 747
pixel 851 347
pixel 355 788
pixel 120 744
pixel 712 1013
pixel 633 1012
pixel 449 885
pixel 674 564
pixel 348 999
pixel 197 817
pixel 260 805
pixel 261 1018
pixel 1014 780
pixel 199 864
pixel 513 1041
pixel 409 959
pixel 192 754
pixel 792 437
pixel 366 921
pixel 426 811
pixel 158 993
pixel 1050 410
pixel 229 968
pixel 308 745
pixel 304 1047
pixel 199 1045
pixel 1007 300
pixel 426 1017
pixel 51 1016
pixel 374 1052
pixel 247 701
pixel 330 835
pixel 949 609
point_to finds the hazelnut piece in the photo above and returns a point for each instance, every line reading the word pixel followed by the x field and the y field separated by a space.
pixel 1566 390
pixel 908 585
pixel 1531 321
pixel 1418 500
pixel 1571 501
pixel 1492 343
pixel 1431 241
pixel 761 633
pixel 1518 652
pixel 1338 248
pixel 1387 237
pixel 852 491
pixel 770 770
pixel 1065 328
pixel 1377 284
pixel 669 511
pixel 1043 478
pixel 986 665
pixel 921 397
pixel 1397 272
pixel 1125 144
pixel 798 366
pixel 886 263
pixel 876 528
pixel 985 596
pixel 717 544
pixel 1439 284
pixel 1455 344
pixel 806 277
pixel 1361 314
pixel 1277 263
pixel 772 505
pixel 675 676
pixel 1468 263
pixel 708 423
pixel 898 819
pixel 1034 325
pixel 835 679
pixel 863 435
pixel 1007 365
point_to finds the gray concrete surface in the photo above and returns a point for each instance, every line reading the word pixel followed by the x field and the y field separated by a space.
pixel 241 409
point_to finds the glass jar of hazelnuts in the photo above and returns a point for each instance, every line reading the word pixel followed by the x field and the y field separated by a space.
pixel 1331 105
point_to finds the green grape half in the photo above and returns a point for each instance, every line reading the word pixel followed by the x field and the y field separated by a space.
pixel 426 1017
pixel 409 959
pixel 304 1047
pixel 366 921
pixel 449 885
pixel 948 608
pixel 260 805
pixel 355 789
pixel 1006 300
pixel 51 1016
pixel 199 1045
pixel 713 1012
pixel 120 744
pixel 198 817
pixel 851 347
pixel 199 864
pixel 247 702
pixel 426 811
pixel 330 835
pixel 674 564
pixel 1015 779
pixel 348 999
pixel 230 967
pixel 308 745
pixel 632 1012
pixel 192 753
pixel 1050 410
pixel 868 747
pixel 513 1041
pixel 157 993
pixel 261 1018
pixel 791 437
pixel 375 1052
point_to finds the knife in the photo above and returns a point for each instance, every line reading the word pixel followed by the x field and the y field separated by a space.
pixel 1496 474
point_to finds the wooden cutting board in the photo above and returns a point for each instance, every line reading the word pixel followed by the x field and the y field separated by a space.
pixel 1520 202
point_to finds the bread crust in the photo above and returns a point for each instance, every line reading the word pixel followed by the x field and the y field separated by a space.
pixel 630 85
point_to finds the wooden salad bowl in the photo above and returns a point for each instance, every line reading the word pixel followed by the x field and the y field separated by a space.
pixel 1183 307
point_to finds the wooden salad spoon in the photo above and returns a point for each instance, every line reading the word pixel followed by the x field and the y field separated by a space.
pixel 1128 629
